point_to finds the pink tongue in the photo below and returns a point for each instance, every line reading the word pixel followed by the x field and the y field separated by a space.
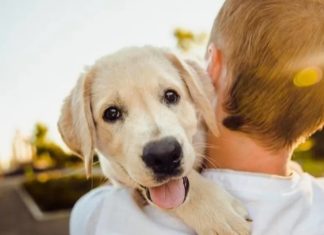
pixel 169 195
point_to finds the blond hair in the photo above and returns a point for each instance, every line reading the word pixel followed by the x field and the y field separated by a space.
pixel 274 51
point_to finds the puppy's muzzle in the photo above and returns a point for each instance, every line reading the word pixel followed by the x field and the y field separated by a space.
pixel 163 157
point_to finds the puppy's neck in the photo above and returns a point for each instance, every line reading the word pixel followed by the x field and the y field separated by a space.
pixel 236 151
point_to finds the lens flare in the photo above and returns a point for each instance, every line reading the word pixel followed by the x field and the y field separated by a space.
pixel 308 77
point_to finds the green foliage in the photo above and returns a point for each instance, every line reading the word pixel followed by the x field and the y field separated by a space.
pixel 60 193
pixel 310 164
pixel 310 155
pixel 40 132
pixel 48 153
pixel 187 40
pixel 318 149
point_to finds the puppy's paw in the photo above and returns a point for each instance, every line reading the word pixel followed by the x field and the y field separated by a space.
pixel 228 223
pixel 240 209
pixel 228 218
pixel 236 222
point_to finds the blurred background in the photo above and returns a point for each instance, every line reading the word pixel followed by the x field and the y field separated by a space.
pixel 44 46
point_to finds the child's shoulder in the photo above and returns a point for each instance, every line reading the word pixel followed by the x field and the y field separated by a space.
pixel 87 210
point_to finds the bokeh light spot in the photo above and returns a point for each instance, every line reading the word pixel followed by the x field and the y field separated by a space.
pixel 308 77
pixel 306 146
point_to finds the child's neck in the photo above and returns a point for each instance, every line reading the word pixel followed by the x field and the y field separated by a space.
pixel 236 151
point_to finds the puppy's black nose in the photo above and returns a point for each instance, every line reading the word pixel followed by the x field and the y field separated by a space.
pixel 163 156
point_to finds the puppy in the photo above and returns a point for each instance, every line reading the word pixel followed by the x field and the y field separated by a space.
pixel 146 112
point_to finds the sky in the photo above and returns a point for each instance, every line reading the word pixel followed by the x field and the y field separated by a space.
pixel 45 45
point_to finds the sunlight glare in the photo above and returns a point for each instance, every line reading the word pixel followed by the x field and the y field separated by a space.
pixel 308 77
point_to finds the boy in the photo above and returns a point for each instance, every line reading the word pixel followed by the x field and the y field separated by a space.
pixel 265 58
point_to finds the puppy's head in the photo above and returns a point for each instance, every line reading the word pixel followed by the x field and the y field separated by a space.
pixel 140 108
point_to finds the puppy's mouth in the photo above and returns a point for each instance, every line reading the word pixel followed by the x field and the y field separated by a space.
pixel 169 195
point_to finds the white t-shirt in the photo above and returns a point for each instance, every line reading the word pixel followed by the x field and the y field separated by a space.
pixel 278 206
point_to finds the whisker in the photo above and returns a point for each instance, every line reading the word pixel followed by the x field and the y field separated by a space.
pixel 203 144
pixel 205 159
pixel 206 146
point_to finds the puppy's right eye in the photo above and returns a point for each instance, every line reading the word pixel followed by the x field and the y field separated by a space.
pixel 112 114
pixel 171 97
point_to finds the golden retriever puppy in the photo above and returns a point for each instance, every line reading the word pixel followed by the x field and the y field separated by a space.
pixel 146 112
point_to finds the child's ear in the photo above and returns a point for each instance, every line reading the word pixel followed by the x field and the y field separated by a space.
pixel 214 67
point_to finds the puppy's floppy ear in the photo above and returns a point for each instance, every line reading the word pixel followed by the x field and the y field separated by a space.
pixel 193 75
pixel 76 124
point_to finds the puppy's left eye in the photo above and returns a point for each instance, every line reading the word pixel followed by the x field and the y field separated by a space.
pixel 112 114
pixel 171 97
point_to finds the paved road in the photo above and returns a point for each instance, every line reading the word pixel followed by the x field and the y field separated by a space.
pixel 15 218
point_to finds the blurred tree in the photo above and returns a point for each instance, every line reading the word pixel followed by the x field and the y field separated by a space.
pixel 49 154
pixel 40 132
pixel 318 149
pixel 188 40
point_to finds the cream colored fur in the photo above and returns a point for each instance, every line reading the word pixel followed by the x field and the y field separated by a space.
pixel 135 79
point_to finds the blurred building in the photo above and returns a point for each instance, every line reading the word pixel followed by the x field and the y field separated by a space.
pixel 22 152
